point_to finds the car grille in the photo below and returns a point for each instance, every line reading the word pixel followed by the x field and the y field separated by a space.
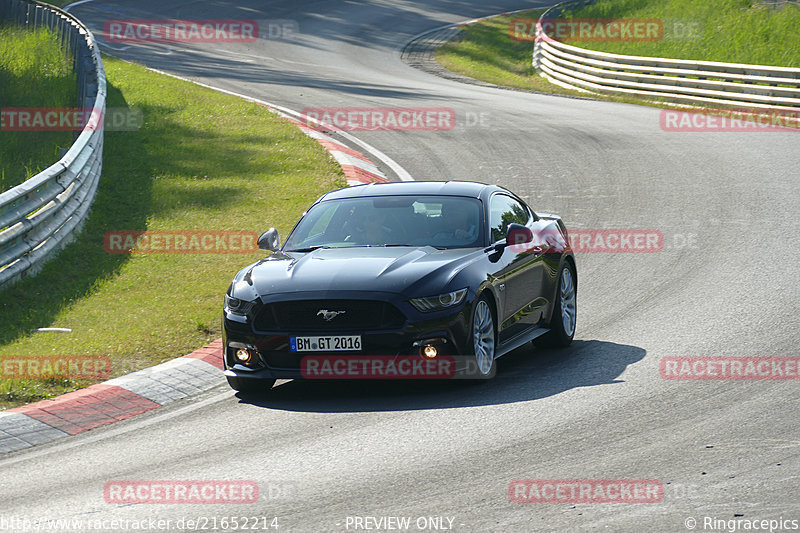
pixel 304 315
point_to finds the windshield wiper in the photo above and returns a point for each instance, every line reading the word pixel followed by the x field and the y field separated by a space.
pixel 308 249
pixel 379 245
pixel 318 246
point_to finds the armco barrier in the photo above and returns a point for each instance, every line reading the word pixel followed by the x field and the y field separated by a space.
pixel 673 80
pixel 39 217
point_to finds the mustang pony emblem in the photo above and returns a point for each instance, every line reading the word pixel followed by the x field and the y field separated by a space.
pixel 329 315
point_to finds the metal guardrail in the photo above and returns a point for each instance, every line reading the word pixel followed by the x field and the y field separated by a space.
pixel 41 216
pixel 673 80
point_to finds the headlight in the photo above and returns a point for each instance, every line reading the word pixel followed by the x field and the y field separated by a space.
pixel 237 306
pixel 437 303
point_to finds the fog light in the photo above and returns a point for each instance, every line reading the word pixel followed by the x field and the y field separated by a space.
pixel 429 351
pixel 243 355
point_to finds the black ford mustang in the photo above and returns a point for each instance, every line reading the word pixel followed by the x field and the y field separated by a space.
pixel 400 271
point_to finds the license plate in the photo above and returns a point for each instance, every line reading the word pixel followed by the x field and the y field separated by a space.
pixel 335 343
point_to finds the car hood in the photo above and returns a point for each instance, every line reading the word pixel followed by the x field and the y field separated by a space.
pixel 402 270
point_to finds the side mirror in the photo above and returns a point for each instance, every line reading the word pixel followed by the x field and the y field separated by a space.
pixel 269 240
pixel 518 234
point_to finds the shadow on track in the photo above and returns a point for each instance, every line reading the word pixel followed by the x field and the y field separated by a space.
pixel 321 27
pixel 522 375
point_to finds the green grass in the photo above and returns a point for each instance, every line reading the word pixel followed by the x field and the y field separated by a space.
pixel 733 31
pixel 202 160
pixel 724 30
pixel 486 52
pixel 34 72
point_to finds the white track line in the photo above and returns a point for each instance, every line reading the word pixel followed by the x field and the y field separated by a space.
pixel 388 161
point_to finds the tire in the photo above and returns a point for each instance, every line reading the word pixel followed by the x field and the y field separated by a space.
pixel 250 386
pixel 565 311
pixel 483 339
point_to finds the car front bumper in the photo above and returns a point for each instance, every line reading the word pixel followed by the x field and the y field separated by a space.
pixel 448 330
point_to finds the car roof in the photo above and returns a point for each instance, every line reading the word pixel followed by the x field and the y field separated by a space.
pixel 428 188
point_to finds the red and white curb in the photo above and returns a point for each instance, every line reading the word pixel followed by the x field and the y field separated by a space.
pixel 150 388
pixel 358 169
pixel 111 401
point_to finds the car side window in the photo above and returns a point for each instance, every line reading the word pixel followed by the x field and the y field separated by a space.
pixel 503 211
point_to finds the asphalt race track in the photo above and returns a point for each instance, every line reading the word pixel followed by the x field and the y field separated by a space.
pixel 725 284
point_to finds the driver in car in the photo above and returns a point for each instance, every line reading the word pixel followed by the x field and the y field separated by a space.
pixel 369 228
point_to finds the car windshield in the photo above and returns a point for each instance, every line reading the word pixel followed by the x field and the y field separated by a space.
pixel 438 221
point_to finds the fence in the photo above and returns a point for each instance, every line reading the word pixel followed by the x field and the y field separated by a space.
pixel 673 80
pixel 42 215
